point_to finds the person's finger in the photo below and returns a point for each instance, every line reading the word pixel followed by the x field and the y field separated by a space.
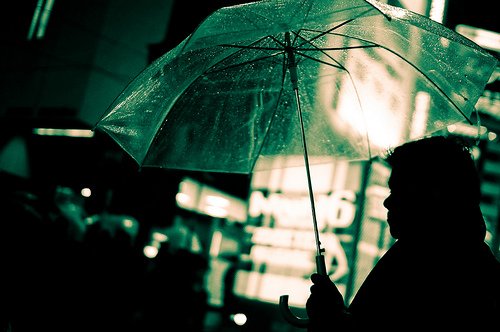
pixel 315 289
pixel 317 278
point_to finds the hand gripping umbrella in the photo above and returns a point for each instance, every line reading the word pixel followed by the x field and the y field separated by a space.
pixel 255 82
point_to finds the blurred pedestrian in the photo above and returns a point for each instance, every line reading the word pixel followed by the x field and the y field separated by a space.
pixel 35 259
pixel 440 273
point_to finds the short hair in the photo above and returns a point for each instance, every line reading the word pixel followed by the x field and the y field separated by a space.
pixel 446 161
pixel 444 164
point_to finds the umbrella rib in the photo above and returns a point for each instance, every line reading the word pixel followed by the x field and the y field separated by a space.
pixel 234 54
pixel 187 88
pixel 355 90
pixel 245 47
pixel 285 65
pixel 316 48
pixel 242 63
pixel 322 51
pixel 417 69
pixel 322 33
pixel 269 126
pixel 336 48
pixel 277 41
pixel 306 41
pixel 322 61
pixel 350 78
pixel 249 47
pixel 402 58
pixel 239 51
pixel 431 82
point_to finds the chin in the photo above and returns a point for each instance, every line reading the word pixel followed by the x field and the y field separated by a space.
pixel 394 234
pixel 392 230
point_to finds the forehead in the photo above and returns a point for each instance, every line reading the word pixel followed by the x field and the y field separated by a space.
pixel 409 182
pixel 394 178
pixel 401 178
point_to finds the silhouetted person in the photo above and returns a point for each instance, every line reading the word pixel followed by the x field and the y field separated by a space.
pixel 174 293
pixel 36 260
pixel 439 274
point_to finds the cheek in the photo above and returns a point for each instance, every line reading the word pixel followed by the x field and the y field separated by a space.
pixel 405 205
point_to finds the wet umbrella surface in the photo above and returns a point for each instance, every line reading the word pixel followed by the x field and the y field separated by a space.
pixel 255 83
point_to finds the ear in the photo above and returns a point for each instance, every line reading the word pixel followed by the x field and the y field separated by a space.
pixel 443 197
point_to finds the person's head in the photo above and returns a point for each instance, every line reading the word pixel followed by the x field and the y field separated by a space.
pixel 435 189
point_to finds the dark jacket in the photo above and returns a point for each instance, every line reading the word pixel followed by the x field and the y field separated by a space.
pixel 448 286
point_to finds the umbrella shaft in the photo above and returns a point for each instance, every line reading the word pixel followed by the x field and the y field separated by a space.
pixel 291 64
pixel 292 68
pixel 319 250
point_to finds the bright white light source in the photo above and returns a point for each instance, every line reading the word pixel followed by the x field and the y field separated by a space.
pixel 217 201
pixel 86 192
pixel 128 223
pixel 216 206
pixel 239 319
pixel 84 133
pixel 216 211
pixel 150 251
pixel 215 244
pixel 182 198
pixel 467 130
pixel 421 114
pixel 160 237
pixel 485 38
pixel 476 152
pixel 257 201
pixel 437 10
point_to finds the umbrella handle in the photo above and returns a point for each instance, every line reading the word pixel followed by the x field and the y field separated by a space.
pixel 289 315
pixel 285 309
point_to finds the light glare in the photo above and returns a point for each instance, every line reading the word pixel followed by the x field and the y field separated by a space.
pixel 217 201
pixel 215 211
pixel 239 319
pixel 182 199
pixel 160 237
pixel 150 251
pixel 86 192
pixel 85 133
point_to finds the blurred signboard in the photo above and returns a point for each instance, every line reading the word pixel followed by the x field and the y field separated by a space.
pixel 484 38
pixel 282 245
pixel 200 198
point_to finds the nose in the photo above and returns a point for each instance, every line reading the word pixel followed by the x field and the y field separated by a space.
pixel 387 202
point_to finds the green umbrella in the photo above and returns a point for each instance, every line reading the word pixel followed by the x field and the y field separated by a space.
pixel 258 82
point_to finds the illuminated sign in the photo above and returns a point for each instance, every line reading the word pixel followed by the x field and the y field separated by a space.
pixel 283 246
pixel 204 199
pixel 296 249
pixel 294 211
pixel 82 133
pixel 484 38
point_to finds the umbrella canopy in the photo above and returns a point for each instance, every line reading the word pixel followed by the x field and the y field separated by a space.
pixel 362 76
pixel 369 77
